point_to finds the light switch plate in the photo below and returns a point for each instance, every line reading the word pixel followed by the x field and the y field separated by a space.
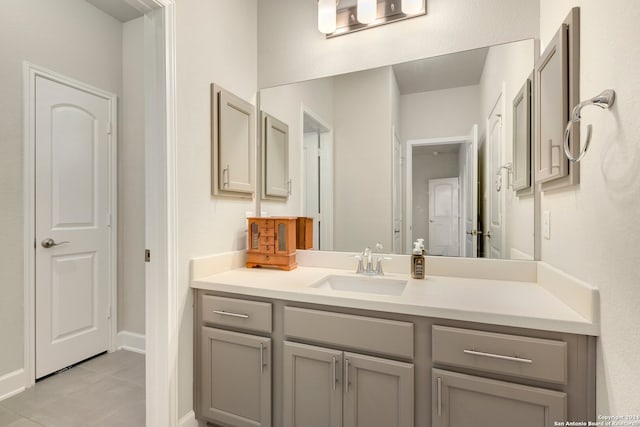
pixel 546 225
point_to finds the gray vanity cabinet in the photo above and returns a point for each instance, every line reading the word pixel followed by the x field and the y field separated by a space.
pixel 377 392
pixel 237 389
pixel 330 388
pixel 461 400
pixel 233 361
pixel 312 386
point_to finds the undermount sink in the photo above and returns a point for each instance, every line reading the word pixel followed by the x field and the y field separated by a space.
pixel 364 284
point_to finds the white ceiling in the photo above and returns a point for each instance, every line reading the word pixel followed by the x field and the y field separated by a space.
pixel 119 9
pixel 441 72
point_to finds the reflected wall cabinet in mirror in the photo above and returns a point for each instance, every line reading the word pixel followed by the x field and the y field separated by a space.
pixel 522 139
pixel 275 158
pixel 557 84
pixel 232 145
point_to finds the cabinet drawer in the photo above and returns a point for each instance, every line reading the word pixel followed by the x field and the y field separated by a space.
pixel 237 313
pixel 389 337
pixel 514 355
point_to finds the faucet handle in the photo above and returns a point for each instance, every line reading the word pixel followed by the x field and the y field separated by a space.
pixel 379 271
pixel 360 268
pixel 379 247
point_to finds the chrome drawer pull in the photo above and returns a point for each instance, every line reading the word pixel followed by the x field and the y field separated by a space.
pixel 498 356
pixel 439 382
pixel 227 313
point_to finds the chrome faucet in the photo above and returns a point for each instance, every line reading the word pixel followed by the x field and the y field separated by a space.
pixel 367 255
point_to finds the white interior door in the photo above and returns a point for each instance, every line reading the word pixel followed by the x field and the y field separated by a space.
pixel 471 195
pixel 444 217
pixel 495 233
pixel 397 194
pixel 72 225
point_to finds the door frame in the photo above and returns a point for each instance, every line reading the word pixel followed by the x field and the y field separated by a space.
pixel 161 283
pixel 326 173
pixel 411 144
pixel 30 73
pixel 500 106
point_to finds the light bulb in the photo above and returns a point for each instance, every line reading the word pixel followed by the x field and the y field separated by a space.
pixel 411 7
pixel 326 16
pixel 367 11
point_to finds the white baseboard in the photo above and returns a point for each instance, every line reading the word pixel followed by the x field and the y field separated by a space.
pixel 189 420
pixel 12 383
pixel 130 341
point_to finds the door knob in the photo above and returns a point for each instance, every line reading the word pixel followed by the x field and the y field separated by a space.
pixel 49 243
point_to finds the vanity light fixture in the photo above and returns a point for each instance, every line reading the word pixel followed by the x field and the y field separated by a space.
pixel 336 18
pixel 367 11
pixel 327 16
pixel 411 7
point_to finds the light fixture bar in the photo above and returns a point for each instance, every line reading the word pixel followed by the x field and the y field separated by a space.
pixel 387 11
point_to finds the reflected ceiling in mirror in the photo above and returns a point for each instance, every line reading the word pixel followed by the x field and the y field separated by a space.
pixel 408 151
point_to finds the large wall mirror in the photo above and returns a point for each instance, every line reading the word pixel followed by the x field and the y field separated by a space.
pixel 422 149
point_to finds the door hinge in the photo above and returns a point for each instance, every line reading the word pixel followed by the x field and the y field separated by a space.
pixel 147 255
pixel 109 312
pixel 109 128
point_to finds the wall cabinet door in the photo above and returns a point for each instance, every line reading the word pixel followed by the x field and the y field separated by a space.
pixel 377 392
pixel 275 158
pixel 236 385
pixel 461 400
pixel 312 386
pixel 233 144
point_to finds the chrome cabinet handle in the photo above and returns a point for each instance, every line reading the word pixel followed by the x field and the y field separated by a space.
pixel 346 375
pixel 333 370
pixel 498 356
pixel 225 177
pixel 439 393
pixel 262 362
pixel 49 243
pixel 228 313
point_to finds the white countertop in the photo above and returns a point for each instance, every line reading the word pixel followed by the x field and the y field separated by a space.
pixel 501 302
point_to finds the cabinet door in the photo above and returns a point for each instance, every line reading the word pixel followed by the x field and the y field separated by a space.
pixel 236 382
pixel 275 157
pixel 552 108
pixel 233 144
pixel 312 386
pixel 461 400
pixel 377 392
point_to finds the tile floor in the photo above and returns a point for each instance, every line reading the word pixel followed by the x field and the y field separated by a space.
pixel 107 391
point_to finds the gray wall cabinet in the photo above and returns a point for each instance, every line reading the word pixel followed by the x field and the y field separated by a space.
pixel 233 145
pixel 557 91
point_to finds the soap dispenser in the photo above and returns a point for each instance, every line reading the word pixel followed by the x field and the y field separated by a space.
pixel 417 262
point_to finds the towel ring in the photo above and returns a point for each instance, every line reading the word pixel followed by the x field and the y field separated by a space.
pixel 605 100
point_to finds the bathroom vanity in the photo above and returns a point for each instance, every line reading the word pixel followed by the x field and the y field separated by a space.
pixel 273 348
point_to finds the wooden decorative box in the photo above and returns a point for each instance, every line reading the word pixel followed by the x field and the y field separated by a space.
pixel 272 242
pixel 304 233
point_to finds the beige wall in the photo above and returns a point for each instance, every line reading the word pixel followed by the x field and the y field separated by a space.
pixel 72 38
pixel 291 48
pixel 595 234
pixel 440 113
pixel 216 42
pixel 131 182
pixel 362 159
